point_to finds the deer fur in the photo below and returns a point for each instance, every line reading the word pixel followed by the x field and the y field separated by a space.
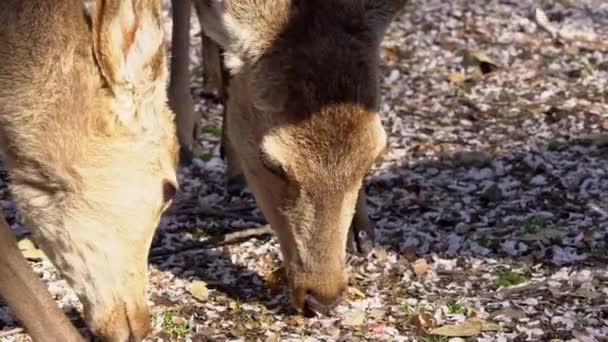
pixel 90 145
pixel 302 120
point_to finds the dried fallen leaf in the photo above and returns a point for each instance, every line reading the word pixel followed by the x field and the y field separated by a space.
pixel 478 58
pixel 509 312
pixel 457 77
pixel 272 338
pixel 381 254
pixel 25 244
pixel 572 50
pixel 275 280
pixel 33 254
pixel 488 326
pixel 466 329
pixel 353 318
pixel 541 20
pixel 376 313
pixel 355 293
pixel 472 159
pixel 410 254
pixel 198 289
pixel 597 139
pixel 423 321
pixel 378 328
pixel 421 267
pixel 557 292
pixel 586 293
pixel 29 250
pixel 296 320
pixel 605 124
pixel 392 54
pixel 333 332
pixel 548 234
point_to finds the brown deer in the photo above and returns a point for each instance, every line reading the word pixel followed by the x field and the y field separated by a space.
pixel 302 122
pixel 361 237
pixel 91 151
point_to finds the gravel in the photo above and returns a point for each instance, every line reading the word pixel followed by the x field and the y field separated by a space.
pixel 490 206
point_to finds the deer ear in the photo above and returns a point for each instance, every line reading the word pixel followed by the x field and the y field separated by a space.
pixel 221 26
pixel 128 43
pixel 380 13
pixel 213 16
pixel 239 26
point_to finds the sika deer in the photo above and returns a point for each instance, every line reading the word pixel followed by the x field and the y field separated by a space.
pixel 90 147
pixel 361 236
pixel 302 120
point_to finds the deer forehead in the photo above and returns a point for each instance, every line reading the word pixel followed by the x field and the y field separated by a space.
pixel 338 146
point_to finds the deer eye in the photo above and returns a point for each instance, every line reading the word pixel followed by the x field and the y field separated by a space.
pixel 169 191
pixel 272 165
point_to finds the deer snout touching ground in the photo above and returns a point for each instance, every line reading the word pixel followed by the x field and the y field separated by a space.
pixel 318 293
pixel 124 324
pixel 303 126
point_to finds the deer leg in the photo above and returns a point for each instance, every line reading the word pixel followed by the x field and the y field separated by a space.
pixel 28 297
pixel 180 99
pixel 216 75
pixel 235 178
pixel 361 237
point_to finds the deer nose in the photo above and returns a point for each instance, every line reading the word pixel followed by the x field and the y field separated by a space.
pixel 317 303
pixel 121 325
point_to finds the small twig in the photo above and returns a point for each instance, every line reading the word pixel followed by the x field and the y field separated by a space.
pixel 215 241
pixel 598 209
pixel 11 332
pixel 208 211
pixel 524 288
pixel 541 20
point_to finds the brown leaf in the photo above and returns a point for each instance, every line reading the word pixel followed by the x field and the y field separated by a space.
pixel 272 338
pixel 548 234
pixel 414 188
pixel 488 326
pixel 572 50
pixel 478 58
pixel 333 331
pixel 586 293
pixel 509 312
pixel 381 254
pixel 472 159
pixel 29 250
pixel 355 293
pixel 457 77
pixel 597 139
pixel 378 328
pixel 354 318
pixel 33 254
pixel 557 292
pixel 605 124
pixel 296 320
pixel 376 313
pixel 198 289
pixel 421 267
pixel 392 54
pixel 275 280
pixel 465 329
pixel 410 254
pixel 25 244
pixel 423 321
